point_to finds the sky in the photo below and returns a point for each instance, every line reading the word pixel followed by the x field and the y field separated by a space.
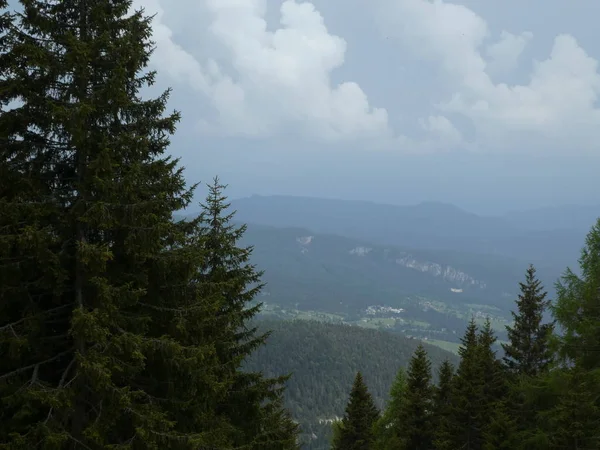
pixel 492 106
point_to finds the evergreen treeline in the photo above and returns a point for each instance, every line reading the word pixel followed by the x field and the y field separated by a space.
pixel 120 328
pixel 544 393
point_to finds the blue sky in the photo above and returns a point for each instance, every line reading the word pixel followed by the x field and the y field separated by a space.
pixel 489 105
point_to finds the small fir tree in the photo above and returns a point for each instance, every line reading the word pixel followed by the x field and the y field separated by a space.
pixel 417 408
pixel 441 399
pixel 527 351
pixel 356 430
pixel 389 426
pixel 254 403
pixel 464 427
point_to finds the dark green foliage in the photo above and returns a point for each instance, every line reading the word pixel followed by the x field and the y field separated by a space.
pixel 574 420
pixel 527 352
pixel 463 429
pixel 417 408
pixel 527 355
pixel 442 398
pixel 119 328
pixel 501 432
pixel 356 428
pixel 253 404
pixel 494 380
pixel 389 426
pixel 577 308
pixel 87 246
pixel 323 359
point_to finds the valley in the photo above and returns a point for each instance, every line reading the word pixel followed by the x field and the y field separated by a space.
pixel 445 332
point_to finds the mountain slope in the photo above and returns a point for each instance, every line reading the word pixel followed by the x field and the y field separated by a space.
pixel 425 226
pixel 331 273
pixel 323 359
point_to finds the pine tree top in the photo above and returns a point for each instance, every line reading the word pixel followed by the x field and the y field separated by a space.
pixel 528 352
pixel 357 427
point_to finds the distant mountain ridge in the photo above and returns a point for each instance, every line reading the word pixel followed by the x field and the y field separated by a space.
pixel 313 271
pixel 430 225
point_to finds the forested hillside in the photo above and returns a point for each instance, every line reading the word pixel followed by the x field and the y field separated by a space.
pixel 323 359
pixel 544 393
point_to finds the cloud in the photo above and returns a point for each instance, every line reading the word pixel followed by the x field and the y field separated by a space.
pixel 557 107
pixel 504 54
pixel 261 82
pixel 252 71
pixel 441 128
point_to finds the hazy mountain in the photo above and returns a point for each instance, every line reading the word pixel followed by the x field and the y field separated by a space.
pixel 312 271
pixel 428 226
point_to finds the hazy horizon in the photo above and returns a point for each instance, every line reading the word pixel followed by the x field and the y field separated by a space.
pixel 489 211
pixel 491 107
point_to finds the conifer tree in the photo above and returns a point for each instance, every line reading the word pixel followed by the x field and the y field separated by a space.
pixel 85 221
pixel 107 315
pixel 254 403
pixel 577 308
pixel 527 355
pixel 575 419
pixel 493 376
pixel 356 428
pixel 441 398
pixel 527 352
pixel 389 426
pixel 417 408
pixel 464 428
pixel 501 432
pixel 498 426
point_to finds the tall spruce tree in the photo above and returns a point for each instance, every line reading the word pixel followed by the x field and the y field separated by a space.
pixel 84 225
pixel 493 375
pixel 527 351
pixel 389 426
pixel 356 429
pixel 417 408
pixel 498 426
pixel 527 356
pixel 106 311
pixel 254 403
pixel 441 399
pixel 465 425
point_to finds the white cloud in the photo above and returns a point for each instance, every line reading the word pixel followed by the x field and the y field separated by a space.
pixel 442 129
pixel 555 108
pixel 262 82
pixel 504 54
pixel 262 78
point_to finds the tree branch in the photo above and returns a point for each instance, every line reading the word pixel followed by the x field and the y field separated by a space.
pixel 33 366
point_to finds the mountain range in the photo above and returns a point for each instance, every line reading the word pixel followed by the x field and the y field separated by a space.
pixel 325 272
pixel 547 236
